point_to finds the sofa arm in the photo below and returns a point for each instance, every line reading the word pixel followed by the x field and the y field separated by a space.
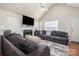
pixel 42 50
pixel 8 49
pixel 66 36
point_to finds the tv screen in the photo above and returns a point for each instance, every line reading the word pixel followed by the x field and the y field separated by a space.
pixel 28 20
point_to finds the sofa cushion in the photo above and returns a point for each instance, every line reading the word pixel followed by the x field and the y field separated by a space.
pixel 37 32
pixel 60 40
pixel 43 32
pixel 23 44
pixel 59 33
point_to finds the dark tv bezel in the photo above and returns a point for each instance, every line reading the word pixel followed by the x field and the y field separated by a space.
pixel 27 23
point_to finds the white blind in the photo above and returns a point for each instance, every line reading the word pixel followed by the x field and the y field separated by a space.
pixel 52 25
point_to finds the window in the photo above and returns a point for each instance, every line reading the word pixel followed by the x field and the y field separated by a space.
pixel 52 25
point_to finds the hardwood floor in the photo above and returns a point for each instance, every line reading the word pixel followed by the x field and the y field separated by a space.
pixel 73 49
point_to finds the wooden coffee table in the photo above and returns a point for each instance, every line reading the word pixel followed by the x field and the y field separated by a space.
pixel 73 49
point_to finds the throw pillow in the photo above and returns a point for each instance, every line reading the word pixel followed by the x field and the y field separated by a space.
pixel 34 39
pixel 48 33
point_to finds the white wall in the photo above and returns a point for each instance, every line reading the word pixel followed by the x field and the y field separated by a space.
pixel 10 21
pixel 64 14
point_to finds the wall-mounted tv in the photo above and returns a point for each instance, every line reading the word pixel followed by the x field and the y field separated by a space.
pixel 28 20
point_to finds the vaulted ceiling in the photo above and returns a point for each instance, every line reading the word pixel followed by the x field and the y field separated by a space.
pixel 31 9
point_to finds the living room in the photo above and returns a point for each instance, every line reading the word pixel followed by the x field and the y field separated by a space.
pixel 49 22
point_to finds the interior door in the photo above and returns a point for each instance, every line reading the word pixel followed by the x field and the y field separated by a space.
pixel 75 29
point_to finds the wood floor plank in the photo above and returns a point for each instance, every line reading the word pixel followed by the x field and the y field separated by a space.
pixel 73 49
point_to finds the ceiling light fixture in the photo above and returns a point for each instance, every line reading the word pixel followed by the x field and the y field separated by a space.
pixel 43 7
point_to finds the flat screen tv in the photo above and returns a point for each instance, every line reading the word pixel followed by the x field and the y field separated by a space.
pixel 28 20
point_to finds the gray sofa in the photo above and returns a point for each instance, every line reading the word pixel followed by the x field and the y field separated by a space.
pixel 16 45
pixel 55 36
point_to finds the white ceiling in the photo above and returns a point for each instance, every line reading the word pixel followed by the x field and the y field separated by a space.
pixel 29 9
pixel 76 5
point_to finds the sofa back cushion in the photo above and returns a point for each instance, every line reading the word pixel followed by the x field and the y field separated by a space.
pixel 37 32
pixel 43 32
pixel 59 33
pixel 23 44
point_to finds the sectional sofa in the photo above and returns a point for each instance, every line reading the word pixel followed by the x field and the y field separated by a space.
pixel 53 36
pixel 13 44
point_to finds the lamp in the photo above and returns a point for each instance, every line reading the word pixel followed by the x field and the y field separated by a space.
pixel 1 29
